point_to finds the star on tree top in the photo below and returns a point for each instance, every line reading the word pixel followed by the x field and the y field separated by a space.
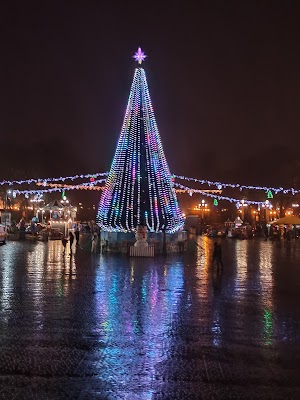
pixel 139 56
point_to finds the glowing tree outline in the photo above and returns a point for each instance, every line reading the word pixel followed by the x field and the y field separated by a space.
pixel 139 187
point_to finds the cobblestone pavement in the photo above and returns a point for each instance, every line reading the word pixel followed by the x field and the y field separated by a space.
pixel 107 327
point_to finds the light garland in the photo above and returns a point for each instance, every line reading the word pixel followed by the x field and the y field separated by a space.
pixel 88 186
pixel 215 194
pixel 202 190
pixel 83 186
pixel 139 187
pixel 221 185
pixel 45 180
pixel 219 197
pixel 59 188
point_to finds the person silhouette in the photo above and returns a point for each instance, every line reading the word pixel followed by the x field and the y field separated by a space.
pixel 94 243
pixel 77 234
pixel 64 242
pixel 71 238
pixel 217 255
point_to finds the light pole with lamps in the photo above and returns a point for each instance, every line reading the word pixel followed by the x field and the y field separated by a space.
pixel 7 192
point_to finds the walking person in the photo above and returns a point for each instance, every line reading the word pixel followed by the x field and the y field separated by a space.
pixel 71 238
pixel 64 242
pixel 94 243
pixel 217 255
pixel 77 234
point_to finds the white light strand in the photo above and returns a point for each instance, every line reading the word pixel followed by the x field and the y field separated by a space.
pixel 221 185
pixel 61 188
pixel 219 197
pixel 84 184
pixel 60 179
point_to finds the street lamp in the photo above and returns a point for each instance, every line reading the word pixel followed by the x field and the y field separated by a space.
pixel 6 198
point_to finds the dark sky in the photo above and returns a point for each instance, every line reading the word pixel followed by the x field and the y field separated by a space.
pixel 223 77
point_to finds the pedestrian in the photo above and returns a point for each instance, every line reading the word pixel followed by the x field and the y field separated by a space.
pixel 217 255
pixel 266 232
pixel 71 236
pixel 64 242
pixel 181 246
pixel 94 242
pixel 278 235
pixel 77 233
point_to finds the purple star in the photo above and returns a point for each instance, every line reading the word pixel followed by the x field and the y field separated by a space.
pixel 139 56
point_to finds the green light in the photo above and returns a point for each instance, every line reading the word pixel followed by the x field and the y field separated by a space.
pixel 268 327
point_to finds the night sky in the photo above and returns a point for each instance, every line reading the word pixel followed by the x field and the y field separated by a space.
pixel 224 78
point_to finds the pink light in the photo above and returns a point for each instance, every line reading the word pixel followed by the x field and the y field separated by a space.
pixel 139 56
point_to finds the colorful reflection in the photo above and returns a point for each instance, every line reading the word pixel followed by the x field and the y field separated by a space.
pixel 246 284
pixel 266 278
pixel 241 276
pixel 7 284
pixel 124 324
pixel 137 306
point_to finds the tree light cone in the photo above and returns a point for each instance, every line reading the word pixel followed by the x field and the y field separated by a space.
pixel 139 187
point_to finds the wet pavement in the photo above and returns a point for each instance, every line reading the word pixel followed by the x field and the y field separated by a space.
pixel 108 327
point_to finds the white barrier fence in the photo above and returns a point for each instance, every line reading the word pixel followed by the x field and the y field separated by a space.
pixel 142 251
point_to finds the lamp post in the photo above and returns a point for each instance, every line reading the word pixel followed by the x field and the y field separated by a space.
pixel 6 198
pixel 203 205
pixel 7 192
pixel 164 246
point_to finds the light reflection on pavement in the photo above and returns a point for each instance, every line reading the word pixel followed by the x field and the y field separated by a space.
pixel 110 327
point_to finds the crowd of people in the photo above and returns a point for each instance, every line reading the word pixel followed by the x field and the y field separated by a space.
pixel 90 229
pixel 274 233
pixel 75 237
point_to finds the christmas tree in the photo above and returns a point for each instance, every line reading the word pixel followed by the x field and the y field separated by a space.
pixel 139 188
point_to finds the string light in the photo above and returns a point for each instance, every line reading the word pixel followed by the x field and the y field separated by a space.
pixel 83 186
pixel 219 185
pixel 44 180
pixel 54 187
pixel 139 187
pixel 222 185
pixel 219 197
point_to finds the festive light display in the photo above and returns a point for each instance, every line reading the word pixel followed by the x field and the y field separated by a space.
pixel 57 187
pixel 61 187
pixel 44 180
pixel 219 197
pixel 191 189
pixel 83 186
pixel 221 185
pixel 139 56
pixel 139 187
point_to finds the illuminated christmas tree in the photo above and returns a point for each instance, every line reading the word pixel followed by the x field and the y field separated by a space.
pixel 139 188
